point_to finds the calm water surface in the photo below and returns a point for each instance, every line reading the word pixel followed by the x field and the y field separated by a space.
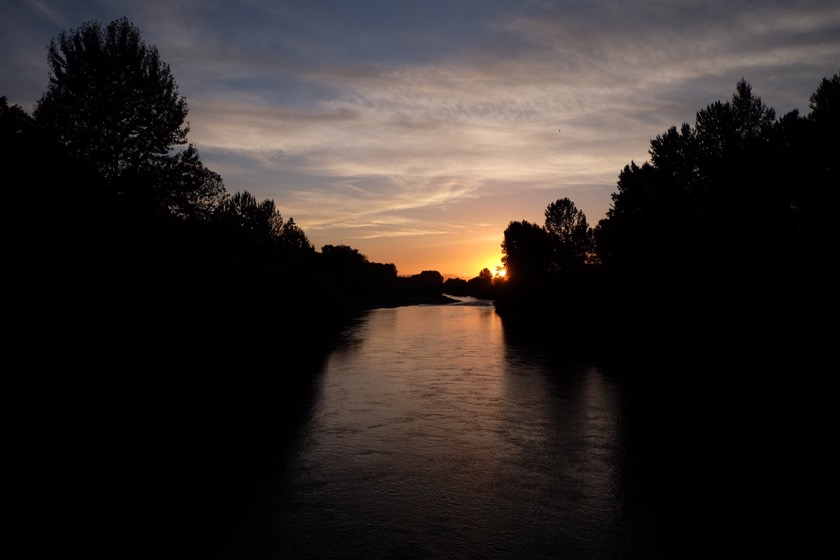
pixel 433 435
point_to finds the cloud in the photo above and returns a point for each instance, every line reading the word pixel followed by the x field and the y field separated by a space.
pixel 389 119
pixel 46 11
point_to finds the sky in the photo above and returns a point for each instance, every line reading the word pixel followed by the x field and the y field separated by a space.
pixel 416 131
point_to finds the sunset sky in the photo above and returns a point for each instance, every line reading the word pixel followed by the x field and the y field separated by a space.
pixel 415 131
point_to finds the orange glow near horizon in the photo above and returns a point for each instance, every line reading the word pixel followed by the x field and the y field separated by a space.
pixel 461 257
pixel 492 263
pixel 449 271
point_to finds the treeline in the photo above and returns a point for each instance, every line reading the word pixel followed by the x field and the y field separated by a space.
pixel 484 286
pixel 726 238
pixel 121 228
pixel 163 329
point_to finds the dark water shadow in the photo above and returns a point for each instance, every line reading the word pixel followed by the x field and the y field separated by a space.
pixel 719 443
pixel 638 427
pixel 148 451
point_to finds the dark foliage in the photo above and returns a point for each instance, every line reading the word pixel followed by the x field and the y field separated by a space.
pixel 112 105
pixel 527 255
pixel 728 229
pixel 484 286
pixel 729 219
pixel 571 236
pixel 177 327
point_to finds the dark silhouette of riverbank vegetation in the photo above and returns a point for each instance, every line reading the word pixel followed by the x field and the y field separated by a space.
pixel 142 235
pixel 175 326
pixel 722 243
pixel 166 330
pixel 711 284
pixel 485 285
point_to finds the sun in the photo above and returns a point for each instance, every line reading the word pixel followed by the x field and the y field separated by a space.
pixel 499 270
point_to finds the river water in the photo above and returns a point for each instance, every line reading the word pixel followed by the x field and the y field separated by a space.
pixel 432 433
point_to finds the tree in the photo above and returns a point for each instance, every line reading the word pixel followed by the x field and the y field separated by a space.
pixel 428 282
pixel 526 253
pixel 712 197
pixel 261 221
pixel 293 238
pixel 179 185
pixel 344 257
pixel 570 234
pixel 113 104
pixel 722 129
pixel 482 285
pixel 14 123
pixel 825 101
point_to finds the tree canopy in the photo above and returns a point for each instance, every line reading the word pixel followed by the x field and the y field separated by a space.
pixel 738 190
pixel 526 253
pixel 570 234
pixel 113 104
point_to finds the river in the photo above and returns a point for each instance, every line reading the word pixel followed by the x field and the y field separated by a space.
pixel 434 434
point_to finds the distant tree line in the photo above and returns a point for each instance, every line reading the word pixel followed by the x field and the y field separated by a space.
pixel 728 233
pixel 484 286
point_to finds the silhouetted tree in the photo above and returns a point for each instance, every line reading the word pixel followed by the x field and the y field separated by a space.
pixel 823 124
pixel 293 238
pixel 343 272
pixel 427 282
pixel 14 122
pixel 722 129
pixel 179 186
pixel 526 253
pixel 357 280
pixel 707 195
pixel 381 277
pixel 482 285
pixel 570 235
pixel 345 257
pixel 260 221
pixel 725 214
pixel 113 104
pixel 456 287
pixel 824 101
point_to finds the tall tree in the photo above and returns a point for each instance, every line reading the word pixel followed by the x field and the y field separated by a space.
pixel 526 253
pixel 710 196
pixel 570 234
pixel 292 237
pixel 113 104
pixel 261 222
pixel 723 129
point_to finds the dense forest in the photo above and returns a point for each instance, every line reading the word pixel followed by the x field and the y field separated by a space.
pixel 173 315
